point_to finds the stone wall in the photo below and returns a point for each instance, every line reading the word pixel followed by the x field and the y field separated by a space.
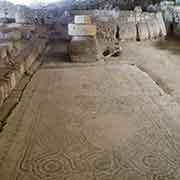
pixel 126 25
pixel 16 56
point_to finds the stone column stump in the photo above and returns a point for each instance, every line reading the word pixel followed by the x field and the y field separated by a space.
pixel 83 44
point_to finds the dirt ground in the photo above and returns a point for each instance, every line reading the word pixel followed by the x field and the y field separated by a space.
pixel 117 119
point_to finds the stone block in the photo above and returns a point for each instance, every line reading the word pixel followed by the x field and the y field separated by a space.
pixel 14 25
pixel 156 27
pixel 10 35
pixel 83 49
pixel 127 31
pixel 81 30
pixel 19 71
pixel 5 86
pixel 138 18
pixel 15 35
pixel 3 52
pixel 150 29
pixel 153 28
pixel 9 77
pixel 163 31
pixel 138 10
pixel 2 96
pixel 106 31
pixel 143 31
pixel 131 19
pixel 31 58
pixel 82 19
pixel 12 80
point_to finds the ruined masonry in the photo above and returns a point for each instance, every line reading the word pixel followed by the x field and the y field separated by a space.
pixel 127 25
pixel 83 44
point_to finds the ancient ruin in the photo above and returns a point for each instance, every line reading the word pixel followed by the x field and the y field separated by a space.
pixel 89 90
pixel 82 47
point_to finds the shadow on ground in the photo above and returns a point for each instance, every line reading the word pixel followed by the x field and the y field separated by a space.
pixel 171 44
pixel 57 52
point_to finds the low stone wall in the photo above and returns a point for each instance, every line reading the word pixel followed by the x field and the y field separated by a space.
pixel 10 76
pixel 16 57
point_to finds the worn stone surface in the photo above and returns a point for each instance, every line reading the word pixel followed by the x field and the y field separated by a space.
pixel 101 131
pixel 108 121
pixel 160 60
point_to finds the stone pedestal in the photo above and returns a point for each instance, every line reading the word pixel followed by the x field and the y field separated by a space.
pixel 83 49
pixel 83 44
